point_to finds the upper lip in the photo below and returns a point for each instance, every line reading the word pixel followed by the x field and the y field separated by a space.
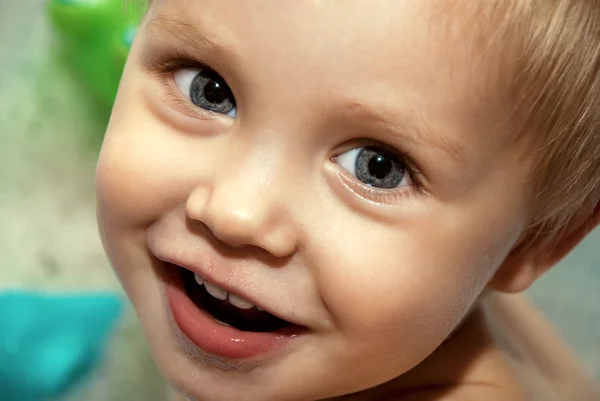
pixel 225 286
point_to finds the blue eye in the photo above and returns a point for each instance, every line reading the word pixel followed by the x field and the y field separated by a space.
pixel 375 167
pixel 206 89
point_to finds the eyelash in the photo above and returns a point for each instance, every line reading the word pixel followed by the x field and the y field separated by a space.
pixel 170 62
pixel 165 67
pixel 381 195
pixel 168 65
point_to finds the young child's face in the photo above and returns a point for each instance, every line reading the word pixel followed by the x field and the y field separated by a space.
pixel 346 167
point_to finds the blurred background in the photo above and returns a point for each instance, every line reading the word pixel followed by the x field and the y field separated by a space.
pixel 51 127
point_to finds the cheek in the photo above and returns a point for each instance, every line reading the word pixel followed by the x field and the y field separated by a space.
pixel 147 165
pixel 406 290
pixel 132 178
pixel 145 169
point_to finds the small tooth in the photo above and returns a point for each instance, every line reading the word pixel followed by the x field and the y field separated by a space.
pixel 222 323
pixel 199 279
pixel 259 308
pixel 240 302
pixel 215 291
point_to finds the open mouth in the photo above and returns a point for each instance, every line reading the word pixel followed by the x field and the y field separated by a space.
pixel 227 308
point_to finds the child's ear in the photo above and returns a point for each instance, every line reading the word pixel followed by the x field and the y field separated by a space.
pixel 525 265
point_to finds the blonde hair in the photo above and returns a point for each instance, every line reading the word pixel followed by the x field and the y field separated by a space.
pixel 557 88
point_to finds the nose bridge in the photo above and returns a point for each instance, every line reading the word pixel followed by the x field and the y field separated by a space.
pixel 247 201
pixel 246 181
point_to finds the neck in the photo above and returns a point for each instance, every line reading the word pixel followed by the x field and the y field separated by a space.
pixel 447 367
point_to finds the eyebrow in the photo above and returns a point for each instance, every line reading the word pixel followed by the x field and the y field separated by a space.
pixel 415 128
pixel 164 32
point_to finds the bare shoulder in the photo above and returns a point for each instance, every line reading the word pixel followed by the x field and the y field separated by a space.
pixel 540 358
pixel 515 355
pixel 173 396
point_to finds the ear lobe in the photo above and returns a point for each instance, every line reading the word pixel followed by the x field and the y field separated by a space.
pixel 523 266
pixel 518 272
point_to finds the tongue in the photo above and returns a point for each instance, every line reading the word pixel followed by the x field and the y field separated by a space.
pixel 242 319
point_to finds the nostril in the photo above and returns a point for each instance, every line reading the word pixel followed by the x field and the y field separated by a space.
pixel 239 221
pixel 282 241
pixel 196 204
pixel 234 226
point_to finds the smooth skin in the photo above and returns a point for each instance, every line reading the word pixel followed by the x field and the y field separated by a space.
pixel 263 195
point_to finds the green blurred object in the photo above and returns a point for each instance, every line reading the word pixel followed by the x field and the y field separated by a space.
pixel 95 38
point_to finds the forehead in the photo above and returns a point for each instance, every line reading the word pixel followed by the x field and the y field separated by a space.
pixel 423 57
pixel 405 38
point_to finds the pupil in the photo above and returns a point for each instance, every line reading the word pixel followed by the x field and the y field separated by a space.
pixel 380 166
pixel 214 93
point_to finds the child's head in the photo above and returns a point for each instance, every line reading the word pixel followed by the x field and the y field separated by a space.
pixel 362 169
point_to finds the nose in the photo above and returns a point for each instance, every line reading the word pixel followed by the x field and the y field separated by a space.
pixel 246 205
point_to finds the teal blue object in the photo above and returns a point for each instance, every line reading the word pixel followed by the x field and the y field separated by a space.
pixel 49 343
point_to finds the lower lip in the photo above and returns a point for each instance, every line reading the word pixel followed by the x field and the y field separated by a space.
pixel 215 338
